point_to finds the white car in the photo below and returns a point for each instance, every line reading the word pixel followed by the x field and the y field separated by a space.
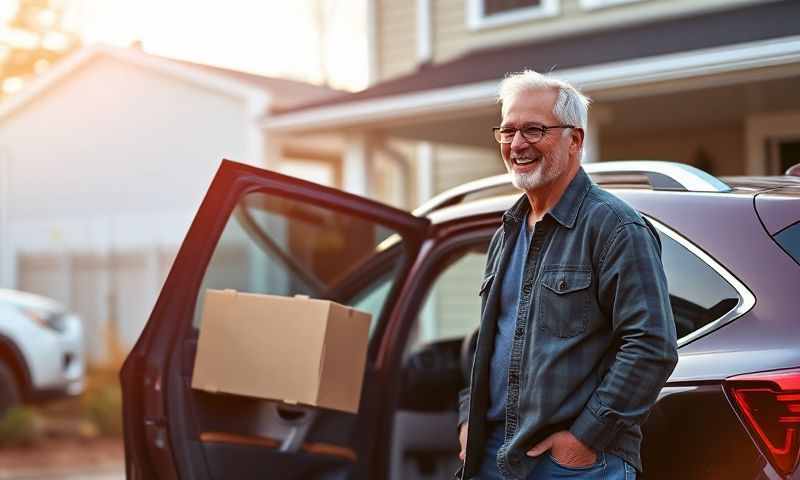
pixel 41 349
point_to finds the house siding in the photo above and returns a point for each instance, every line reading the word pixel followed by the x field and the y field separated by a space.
pixel 724 147
pixel 140 150
pixel 396 24
pixel 397 37
pixel 458 304
pixel 452 36
pixel 454 165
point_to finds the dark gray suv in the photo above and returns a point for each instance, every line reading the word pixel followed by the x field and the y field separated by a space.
pixel 731 251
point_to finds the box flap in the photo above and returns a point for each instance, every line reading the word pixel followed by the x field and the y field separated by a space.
pixel 344 357
pixel 206 371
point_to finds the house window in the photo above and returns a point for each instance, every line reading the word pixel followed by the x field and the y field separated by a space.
pixel 493 13
pixel 594 4
pixel 493 7
pixel 782 153
pixel 773 142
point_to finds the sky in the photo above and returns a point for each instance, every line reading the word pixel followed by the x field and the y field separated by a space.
pixel 269 37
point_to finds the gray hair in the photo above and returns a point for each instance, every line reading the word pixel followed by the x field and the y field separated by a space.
pixel 572 107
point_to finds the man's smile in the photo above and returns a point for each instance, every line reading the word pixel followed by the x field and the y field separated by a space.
pixel 526 160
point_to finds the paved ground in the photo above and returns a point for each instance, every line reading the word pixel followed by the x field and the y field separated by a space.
pixel 65 459
pixel 74 475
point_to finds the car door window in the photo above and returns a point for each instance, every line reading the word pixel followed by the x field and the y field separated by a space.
pixel 280 246
pixel 371 298
pixel 789 240
pixel 452 306
pixel 698 294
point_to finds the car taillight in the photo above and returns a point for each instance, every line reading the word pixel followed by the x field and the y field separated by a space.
pixel 769 404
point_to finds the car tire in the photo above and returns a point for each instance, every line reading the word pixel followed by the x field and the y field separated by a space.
pixel 9 391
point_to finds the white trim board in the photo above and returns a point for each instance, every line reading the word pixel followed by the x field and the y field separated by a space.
pixel 598 4
pixel 372 42
pixel 678 66
pixel 478 20
pixel 424 31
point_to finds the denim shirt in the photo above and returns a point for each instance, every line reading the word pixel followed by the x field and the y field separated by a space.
pixel 594 340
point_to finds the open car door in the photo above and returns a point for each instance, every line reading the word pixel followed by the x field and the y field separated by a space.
pixel 261 232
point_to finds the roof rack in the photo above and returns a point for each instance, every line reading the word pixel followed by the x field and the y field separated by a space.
pixel 661 176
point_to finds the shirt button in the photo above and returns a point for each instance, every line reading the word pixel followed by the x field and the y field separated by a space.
pixel 563 285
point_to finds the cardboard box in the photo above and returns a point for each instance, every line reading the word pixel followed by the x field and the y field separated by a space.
pixel 293 349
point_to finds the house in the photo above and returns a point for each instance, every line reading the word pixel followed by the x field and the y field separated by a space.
pixel 103 163
pixel 711 83
pixel 705 82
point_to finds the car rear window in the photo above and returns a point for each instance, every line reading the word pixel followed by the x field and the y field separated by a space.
pixel 698 294
pixel 789 240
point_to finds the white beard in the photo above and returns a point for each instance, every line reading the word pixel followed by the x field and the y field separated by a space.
pixel 550 168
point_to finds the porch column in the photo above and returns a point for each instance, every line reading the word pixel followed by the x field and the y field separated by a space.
pixel 598 117
pixel 396 181
pixel 356 171
pixel 270 151
pixel 591 146
pixel 256 146
pixel 425 183
pixel 428 318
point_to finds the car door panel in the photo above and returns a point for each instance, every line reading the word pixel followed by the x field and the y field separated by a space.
pixel 173 431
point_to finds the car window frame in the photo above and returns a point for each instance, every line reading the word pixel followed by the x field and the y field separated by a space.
pixel 435 272
pixel 746 301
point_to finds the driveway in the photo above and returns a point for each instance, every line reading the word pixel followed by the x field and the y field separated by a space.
pixel 118 474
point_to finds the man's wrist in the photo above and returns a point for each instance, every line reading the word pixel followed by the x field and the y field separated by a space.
pixel 592 431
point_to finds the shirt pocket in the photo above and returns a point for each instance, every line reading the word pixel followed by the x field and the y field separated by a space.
pixel 564 300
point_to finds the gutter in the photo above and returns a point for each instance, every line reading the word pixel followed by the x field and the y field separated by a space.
pixel 595 78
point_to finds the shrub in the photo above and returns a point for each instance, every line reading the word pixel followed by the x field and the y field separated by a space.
pixel 103 407
pixel 19 426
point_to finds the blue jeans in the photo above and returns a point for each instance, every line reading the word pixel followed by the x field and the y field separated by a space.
pixel 607 466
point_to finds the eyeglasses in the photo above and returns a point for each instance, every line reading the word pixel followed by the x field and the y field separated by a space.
pixel 531 134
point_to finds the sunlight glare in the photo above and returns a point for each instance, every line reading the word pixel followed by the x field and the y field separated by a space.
pixel 8 8
pixel 268 38
pixel 12 85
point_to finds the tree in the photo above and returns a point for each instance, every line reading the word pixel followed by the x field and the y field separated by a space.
pixel 31 42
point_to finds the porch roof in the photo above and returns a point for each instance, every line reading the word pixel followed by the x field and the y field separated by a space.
pixel 593 60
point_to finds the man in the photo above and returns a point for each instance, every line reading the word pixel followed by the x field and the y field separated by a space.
pixel 577 335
